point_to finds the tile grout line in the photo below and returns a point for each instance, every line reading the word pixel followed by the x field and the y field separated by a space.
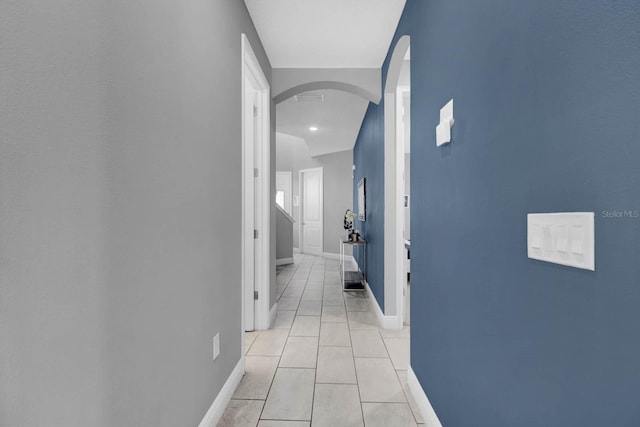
pixel 315 377
pixel 313 268
pixel 315 382
pixel 354 364
pixel 406 396
pixel 280 357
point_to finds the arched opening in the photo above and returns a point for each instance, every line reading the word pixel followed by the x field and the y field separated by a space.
pixel 321 85
pixel 396 86
pixel 318 118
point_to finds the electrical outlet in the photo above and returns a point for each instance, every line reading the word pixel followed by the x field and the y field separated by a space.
pixel 216 346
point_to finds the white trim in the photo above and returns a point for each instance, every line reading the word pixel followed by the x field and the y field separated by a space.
pixel 289 217
pixel 393 193
pixel 216 410
pixel 297 251
pixel 284 261
pixel 247 310
pixel 401 265
pixel 329 255
pixel 351 260
pixel 273 313
pixel 385 322
pixel 421 399
pixel 301 193
pixel 347 258
pixel 252 70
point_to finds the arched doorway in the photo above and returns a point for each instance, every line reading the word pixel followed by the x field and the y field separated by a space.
pixel 395 277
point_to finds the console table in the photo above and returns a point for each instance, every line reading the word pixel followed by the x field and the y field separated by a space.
pixel 353 280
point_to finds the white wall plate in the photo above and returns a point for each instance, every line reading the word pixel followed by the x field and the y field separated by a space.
pixel 566 238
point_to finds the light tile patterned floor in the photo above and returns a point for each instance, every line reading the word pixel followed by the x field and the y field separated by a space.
pixel 325 362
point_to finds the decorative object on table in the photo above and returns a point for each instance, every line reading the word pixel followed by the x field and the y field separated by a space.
pixel 362 199
pixel 349 218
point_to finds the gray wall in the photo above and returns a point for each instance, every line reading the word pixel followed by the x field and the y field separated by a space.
pixel 284 235
pixel 292 155
pixel 120 140
pixel 53 279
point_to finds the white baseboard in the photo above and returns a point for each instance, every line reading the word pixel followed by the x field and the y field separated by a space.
pixel 272 314
pixel 296 251
pixel 352 260
pixel 213 415
pixel 284 261
pixel 429 415
pixel 329 255
pixel 347 258
pixel 385 322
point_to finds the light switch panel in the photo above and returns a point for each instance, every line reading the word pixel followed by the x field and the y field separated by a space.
pixel 566 238
pixel 562 238
pixel 536 237
pixel 443 130
pixel 443 134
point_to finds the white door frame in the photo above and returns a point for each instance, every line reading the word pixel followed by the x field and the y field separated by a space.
pixel 260 189
pixel 393 192
pixel 301 193
pixel 401 191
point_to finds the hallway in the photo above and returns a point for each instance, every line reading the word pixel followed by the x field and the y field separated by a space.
pixel 325 362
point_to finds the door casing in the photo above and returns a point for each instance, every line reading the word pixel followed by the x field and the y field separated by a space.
pixel 302 211
pixel 393 193
pixel 256 192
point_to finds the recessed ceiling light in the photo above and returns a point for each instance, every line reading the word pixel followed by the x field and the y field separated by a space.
pixel 313 128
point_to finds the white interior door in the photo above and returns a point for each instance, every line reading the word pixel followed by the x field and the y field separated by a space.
pixel 250 205
pixel 311 189
pixel 283 190
pixel 256 193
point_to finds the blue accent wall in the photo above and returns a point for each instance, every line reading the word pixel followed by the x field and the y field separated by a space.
pixel 547 110
pixel 368 157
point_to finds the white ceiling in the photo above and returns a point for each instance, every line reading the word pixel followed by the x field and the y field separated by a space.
pixel 326 33
pixel 338 119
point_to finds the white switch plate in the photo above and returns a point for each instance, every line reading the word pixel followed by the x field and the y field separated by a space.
pixel 216 346
pixel 566 238
pixel 443 129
